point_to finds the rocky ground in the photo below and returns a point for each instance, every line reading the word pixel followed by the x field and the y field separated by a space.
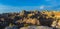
pixel 37 27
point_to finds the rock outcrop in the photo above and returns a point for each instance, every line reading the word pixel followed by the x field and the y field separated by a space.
pixel 27 18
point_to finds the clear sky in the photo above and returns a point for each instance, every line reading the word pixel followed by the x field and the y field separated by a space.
pixel 18 5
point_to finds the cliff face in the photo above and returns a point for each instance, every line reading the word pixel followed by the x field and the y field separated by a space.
pixel 27 18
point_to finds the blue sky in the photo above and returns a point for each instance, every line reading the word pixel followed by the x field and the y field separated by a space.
pixel 18 5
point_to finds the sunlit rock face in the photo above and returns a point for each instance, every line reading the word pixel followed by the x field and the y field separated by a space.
pixel 50 13
pixel 36 27
pixel 32 21
pixel 56 24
